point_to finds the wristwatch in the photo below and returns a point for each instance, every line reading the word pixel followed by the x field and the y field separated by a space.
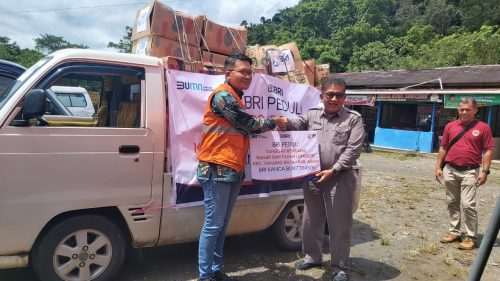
pixel 487 172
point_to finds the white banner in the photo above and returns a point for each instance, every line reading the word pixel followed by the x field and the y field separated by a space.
pixel 187 97
pixel 284 155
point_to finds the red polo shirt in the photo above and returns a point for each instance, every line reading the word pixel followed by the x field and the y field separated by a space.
pixel 469 148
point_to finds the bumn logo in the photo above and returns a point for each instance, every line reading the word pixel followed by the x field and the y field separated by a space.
pixel 182 85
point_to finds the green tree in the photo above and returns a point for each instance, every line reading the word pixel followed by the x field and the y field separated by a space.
pixel 29 57
pixel 8 50
pixel 375 12
pixel 125 44
pixel 476 13
pixel 440 15
pixel 406 16
pixel 372 56
pixel 47 43
pixel 479 47
pixel 357 35
pixel 12 52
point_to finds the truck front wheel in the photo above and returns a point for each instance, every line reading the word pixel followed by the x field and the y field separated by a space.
pixel 288 227
pixel 86 247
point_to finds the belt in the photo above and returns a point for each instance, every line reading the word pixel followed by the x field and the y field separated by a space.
pixel 463 168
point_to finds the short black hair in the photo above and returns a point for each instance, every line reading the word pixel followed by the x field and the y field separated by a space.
pixel 232 59
pixel 330 80
pixel 469 99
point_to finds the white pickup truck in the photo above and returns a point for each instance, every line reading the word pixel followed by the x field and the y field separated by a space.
pixel 75 191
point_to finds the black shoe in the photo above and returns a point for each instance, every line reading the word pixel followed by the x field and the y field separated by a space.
pixel 221 276
pixel 304 265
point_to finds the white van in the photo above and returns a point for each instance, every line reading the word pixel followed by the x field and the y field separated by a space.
pixel 76 99
pixel 76 194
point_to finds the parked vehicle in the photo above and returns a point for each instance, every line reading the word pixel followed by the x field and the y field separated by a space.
pixel 9 72
pixel 56 114
pixel 74 196
pixel 76 99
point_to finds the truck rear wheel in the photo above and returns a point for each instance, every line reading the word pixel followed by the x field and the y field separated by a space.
pixel 87 247
pixel 288 227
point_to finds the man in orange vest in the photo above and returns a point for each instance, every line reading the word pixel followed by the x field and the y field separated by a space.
pixel 222 154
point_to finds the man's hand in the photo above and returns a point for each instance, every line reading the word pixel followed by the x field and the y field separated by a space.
pixel 440 159
pixel 439 175
pixel 281 122
pixel 481 179
pixel 324 175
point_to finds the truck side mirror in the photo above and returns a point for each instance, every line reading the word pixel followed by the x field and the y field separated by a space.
pixel 35 104
pixel 34 107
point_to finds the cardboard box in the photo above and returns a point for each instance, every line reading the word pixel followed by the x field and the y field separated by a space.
pixel 209 68
pixel 159 19
pixel 286 57
pixel 194 66
pixel 214 58
pixel 222 39
pixel 158 46
pixel 180 64
pixel 309 68
pixel 296 76
pixel 261 70
pixel 259 57
pixel 321 71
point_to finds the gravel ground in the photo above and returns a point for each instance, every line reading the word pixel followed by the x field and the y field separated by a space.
pixel 401 217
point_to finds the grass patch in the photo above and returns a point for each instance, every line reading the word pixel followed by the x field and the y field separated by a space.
pixel 422 236
pixel 399 155
pixel 385 241
pixel 431 248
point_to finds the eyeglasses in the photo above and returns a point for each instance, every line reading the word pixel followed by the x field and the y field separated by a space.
pixel 243 73
pixel 330 95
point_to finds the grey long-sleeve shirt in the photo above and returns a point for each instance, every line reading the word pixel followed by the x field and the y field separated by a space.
pixel 340 137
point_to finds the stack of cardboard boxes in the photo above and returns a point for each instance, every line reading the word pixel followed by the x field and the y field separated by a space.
pixel 192 41
pixel 221 41
pixel 160 31
pixel 197 44
pixel 286 63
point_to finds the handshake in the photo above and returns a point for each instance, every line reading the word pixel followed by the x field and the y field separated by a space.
pixel 281 122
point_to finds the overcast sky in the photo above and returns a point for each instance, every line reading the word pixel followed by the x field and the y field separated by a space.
pixel 94 23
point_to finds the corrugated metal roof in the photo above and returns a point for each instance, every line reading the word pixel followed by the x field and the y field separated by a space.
pixel 451 77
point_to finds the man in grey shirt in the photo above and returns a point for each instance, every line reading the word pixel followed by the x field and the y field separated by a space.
pixel 340 136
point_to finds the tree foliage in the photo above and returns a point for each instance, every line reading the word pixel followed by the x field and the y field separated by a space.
pixel 47 44
pixel 12 52
pixel 44 45
pixel 358 35
pixel 125 44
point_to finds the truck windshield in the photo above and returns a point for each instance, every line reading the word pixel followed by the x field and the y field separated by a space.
pixel 9 92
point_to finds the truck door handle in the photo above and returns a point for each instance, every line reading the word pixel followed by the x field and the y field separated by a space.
pixel 129 149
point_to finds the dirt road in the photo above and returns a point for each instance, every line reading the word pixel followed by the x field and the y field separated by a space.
pixel 396 233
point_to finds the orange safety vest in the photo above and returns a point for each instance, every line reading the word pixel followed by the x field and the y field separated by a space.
pixel 221 143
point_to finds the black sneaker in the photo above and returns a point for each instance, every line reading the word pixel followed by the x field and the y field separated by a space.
pixel 221 276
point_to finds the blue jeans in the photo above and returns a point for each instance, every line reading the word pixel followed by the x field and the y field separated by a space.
pixel 219 198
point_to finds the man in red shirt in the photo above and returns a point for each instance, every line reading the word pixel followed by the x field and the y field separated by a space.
pixel 462 174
